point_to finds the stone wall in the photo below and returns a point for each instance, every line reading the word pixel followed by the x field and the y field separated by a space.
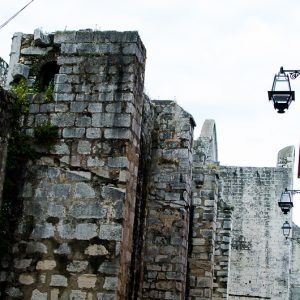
pixel 168 204
pixel 6 100
pixel 3 72
pixel 259 261
pixel 295 263
pixel 126 205
pixel 75 237
pixel 210 222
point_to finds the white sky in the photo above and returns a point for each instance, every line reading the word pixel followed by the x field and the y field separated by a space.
pixel 216 58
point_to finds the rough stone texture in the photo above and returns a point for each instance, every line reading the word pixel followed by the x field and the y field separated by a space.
pixel 295 262
pixel 126 205
pixel 168 204
pixel 3 72
pixel 81 200
pixel 259 264
pixel 6 100
pixel 210 237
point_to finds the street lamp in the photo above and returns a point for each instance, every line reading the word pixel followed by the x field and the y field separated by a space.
pixel 286 229
pixel 281 93
pixel 285 202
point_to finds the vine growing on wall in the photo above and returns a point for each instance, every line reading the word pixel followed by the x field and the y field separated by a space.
pixel 19 152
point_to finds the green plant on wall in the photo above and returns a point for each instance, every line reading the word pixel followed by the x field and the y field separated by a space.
pixel 20 105
pixel 46 135
pixel 49 92
pixel 19 152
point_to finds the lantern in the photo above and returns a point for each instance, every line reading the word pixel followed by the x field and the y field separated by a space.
pixel 285 202
pixel 286 229
pixel 281 93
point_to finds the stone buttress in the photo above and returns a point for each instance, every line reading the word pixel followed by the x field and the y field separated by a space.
pixel 168 204
pixel 210 222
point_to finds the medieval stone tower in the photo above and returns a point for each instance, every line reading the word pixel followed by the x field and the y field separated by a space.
pixel 125 204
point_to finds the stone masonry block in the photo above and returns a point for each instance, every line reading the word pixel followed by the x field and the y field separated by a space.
pixel 22 263
pixel 64 37
pixel 85 231
pixel 105 296
pixel 84 190
pixel 77 266
pixel 95 107
pixel 84 147
pixel 43 231
pixel 73 132
pixel 110 283
pixel 109 268
pixel 83 121
pixel 26 279
pixel 78 106
pixel 118 134
pixel 37 295
pixel 111 120
pixel 36 247
pixel 63 119
pixel 41 39
pixel 93 133
pixel 95 162
pixel 118 162
pixel 87 281
pixel 88 211
pixel 78 295
pixel 58 280
pixel 96 250
pixel 46 265
pixel 110 232
pixel 20 70
pixel 112 193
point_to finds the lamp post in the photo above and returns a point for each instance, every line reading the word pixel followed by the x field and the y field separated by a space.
pixel 286 229
pixel 285 202
pixel 281 93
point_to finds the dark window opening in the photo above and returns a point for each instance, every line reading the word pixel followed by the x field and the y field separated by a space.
pixel 47 74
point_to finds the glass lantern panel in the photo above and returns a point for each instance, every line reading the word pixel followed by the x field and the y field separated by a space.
pixel 285 197
pixel 281 83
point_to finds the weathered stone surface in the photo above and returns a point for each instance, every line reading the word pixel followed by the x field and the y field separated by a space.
pixel 123 190
pixel 109 268
pixel 63 249
pixel 85 231
pixel 14 292
pixel 77 266
pixel 46 265
pixel 110 232
pixel 78 295
pixel 58 280
pixel 22 263
pixel 87 281
pixel 96 250
pixel 37 295
pixel 110 283
pixel 26 279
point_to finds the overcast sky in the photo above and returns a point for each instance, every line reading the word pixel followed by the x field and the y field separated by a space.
pixel 216 58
